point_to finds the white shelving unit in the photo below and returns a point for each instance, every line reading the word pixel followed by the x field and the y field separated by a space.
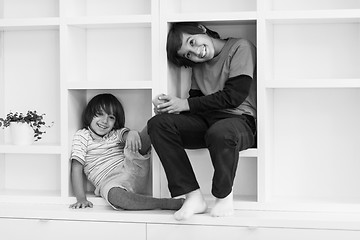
pixel 310 90
pixel 30 79
pixel 57 54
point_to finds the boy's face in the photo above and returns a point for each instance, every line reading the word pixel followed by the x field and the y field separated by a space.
pixel 102 123
pixel 197 48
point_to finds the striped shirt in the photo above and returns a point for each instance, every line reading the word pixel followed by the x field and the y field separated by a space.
pixel 99 156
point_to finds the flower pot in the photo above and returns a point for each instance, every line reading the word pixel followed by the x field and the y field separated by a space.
pixel 21 133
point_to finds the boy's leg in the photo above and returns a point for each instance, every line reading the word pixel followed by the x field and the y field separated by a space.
pixel 121 198
pixel 170 135
pixel 224 140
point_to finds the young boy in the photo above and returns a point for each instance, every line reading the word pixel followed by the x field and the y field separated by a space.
pixel 109 155
pixel 219 114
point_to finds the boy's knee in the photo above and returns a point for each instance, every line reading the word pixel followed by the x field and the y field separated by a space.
pixel 116 196
pixel 151 123
pixel 113 194
pixel 219 131
pixel 157 122
pixel 221 135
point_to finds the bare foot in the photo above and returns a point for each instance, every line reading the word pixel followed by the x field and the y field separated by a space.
pixel 194 204
pixel 223 206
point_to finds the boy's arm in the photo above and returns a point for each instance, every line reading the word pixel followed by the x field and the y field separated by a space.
pixel 78 186
pixel 133 141
pixel 138 141
pixel 145 141
pixel 235 91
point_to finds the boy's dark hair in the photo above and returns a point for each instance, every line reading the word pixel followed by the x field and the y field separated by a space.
pixel 104 102
pixel 174 40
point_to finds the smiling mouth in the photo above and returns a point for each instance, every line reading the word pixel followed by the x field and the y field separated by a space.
pixel 203 52
pixel 102 126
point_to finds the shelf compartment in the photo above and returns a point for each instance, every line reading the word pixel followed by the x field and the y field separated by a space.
pixel 109 54
pixel 314 50
pixel 39 175
pixel 28 67
pixel 137 105
pixel 107 7
pixel 29 8
pixel 314 5
pixel 314 145
pixel 178 83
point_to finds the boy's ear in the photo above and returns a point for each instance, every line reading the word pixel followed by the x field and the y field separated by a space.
pixel 202 27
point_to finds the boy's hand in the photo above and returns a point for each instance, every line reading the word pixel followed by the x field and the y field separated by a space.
pixel 157 101
pixel 133 141
pixel 172 104
pixel 81 204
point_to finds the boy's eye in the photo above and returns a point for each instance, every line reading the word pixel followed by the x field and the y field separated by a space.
pixel 97 114
pixel 192 42
pixel 112 117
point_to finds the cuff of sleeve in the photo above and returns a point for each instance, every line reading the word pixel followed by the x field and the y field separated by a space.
pixel 76 158
pixel 123 131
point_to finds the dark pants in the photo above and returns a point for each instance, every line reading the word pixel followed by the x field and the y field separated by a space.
pixel 223 134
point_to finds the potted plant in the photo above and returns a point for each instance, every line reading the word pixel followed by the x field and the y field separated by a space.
pixel 25 128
